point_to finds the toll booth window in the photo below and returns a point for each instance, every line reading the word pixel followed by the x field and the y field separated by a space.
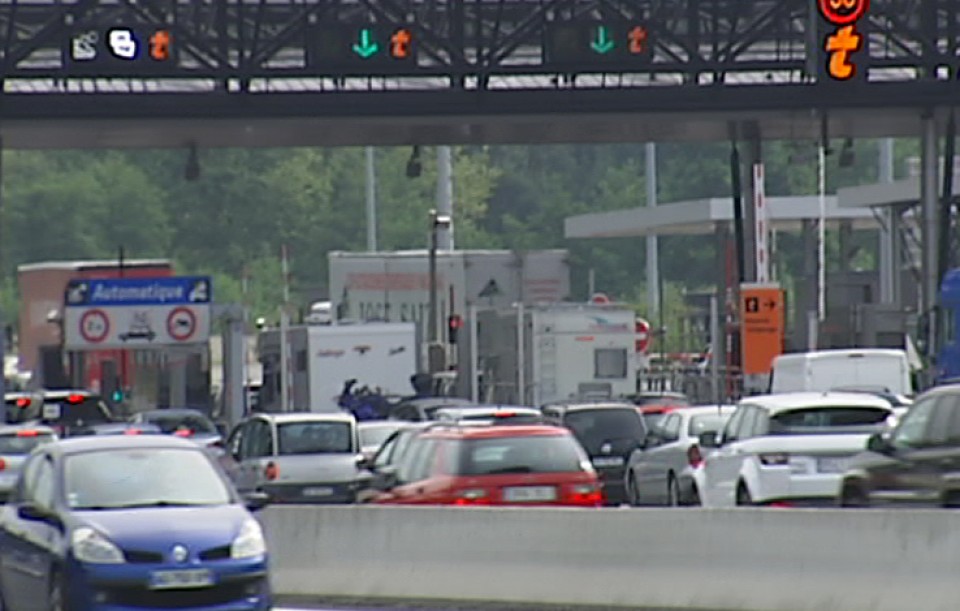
pixel 610 363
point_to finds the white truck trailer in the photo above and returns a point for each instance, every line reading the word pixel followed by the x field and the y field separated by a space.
pixel 563 351
pixel 380 356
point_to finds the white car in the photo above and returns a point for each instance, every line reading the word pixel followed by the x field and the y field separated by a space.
pixel 788 449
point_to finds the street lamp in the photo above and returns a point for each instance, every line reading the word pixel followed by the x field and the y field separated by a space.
pixel 437 222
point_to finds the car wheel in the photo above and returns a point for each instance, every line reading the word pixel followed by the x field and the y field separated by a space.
pixel 743 496
pixel 633 491
pixel 853 496
pixel 673 491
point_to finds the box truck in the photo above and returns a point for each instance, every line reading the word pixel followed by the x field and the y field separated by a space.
pixel 560 352
pixel 380 356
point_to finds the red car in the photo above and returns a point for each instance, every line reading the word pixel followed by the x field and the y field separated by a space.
pixel 492 465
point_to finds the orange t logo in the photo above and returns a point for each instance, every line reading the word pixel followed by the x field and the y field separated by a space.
pixel 160 45
pixel 400 44
pixel 841 45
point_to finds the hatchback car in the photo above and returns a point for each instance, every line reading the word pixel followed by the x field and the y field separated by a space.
pixel 68 412
pixel 609 432
pixel 298 458
pixel 188 423
pixel 129 522
pixel 490 414
pixel 519 465
pixel 16 443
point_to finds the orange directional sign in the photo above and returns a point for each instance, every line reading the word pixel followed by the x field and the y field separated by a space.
pixel 638 40
pixel 400 43
pixel 761 326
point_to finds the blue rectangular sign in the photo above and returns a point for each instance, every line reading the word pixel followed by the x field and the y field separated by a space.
pixel 108 292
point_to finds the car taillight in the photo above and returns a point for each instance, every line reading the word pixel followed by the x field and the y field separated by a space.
pixel 587 494
pixel 132 431
pixel 781 504
pixel 271 472
pixel 27 433
pixel 694 456
pixel 472 496
pixel 777 459
pixel 183 433
pixel 3 464
pixel 74 399
pixel 23 402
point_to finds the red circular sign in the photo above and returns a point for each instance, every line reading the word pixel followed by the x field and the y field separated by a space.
pixel 181 324
pixel 94 326
pixel 642 330
pixel 843 12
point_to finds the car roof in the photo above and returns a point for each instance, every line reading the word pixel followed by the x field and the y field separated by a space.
pixel 307 417
pixel 78 445
pixel 174 411
pixel 707 410
pixel 800 400
pixel 433 401
pixel 66 392
pixel 496 432
pixel 474 409
pixel 569 407
pixel 384 424
pixel 842 352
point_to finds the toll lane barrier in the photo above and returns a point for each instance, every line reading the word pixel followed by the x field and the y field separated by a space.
pixel 747 559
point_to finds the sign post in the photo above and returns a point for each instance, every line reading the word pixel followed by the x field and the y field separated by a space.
pixel 761 331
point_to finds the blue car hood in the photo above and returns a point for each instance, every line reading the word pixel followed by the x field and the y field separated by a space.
pixel 158 530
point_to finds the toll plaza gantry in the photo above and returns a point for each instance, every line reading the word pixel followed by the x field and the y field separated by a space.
pixel 249 73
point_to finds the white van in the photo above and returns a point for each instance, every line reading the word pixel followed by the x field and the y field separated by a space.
pixel 866 369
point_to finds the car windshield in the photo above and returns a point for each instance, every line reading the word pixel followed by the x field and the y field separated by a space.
pixel 528 454
pixel 652 419
pixel 22 443
pixel 828 419
pixel 315 437
pixel 596 427
pixel 706 423
pixel 170 423
pixel 374 436
pixel 142 477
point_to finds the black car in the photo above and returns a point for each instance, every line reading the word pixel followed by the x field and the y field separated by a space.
pixel 609 432
pixel 68 412
pixel 917 463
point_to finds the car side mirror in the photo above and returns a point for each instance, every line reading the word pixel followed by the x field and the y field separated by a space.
pixel 879 443
pixel 709 439
pixel 256 500
pixel 35 513
pixel 364 462
pixel 385 478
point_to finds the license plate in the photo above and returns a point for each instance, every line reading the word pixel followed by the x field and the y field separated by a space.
pixel 608 461
pixel 832 465
pixel 529 494
pixel 319 491
pixel 181 579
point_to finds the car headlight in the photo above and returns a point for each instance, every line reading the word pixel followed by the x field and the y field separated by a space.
pixel 249 542
pixel 90 546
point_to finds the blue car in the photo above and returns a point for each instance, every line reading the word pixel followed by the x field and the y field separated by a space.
pixel 118 523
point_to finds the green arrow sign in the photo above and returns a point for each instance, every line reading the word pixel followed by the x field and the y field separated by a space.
pixel 601 43
pixel 366 47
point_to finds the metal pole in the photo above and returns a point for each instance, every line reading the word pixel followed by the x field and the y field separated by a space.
pixel 445 196
pixel 3 331
pixel 284 363
pixel 474 354
pixel 822 232
pixel 521 358
pixel 715 352
pixel 371 184
pixel 929 228
pixel 888 266
pixel 653 248
pixel 433 314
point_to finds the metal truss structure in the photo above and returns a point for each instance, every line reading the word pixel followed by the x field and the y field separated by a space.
pixel 483 44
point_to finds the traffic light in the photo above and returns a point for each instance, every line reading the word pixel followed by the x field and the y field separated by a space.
pixel 117 396
pixel 454 324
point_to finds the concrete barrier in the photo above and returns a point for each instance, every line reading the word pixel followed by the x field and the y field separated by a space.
pixel 746 559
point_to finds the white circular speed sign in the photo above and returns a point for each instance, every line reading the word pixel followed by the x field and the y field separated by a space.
pixel 94 326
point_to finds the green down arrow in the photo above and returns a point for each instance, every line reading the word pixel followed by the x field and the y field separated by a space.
pixel 367 46
pixel 601 42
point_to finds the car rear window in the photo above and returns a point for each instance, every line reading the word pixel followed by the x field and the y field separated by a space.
pixel 315 438
pixel 90 410
pixel 707 423
pixel 169 423
pixel 827 418
pixel 23 443
pixel 596 427
pixel 521 454
pixel 653 419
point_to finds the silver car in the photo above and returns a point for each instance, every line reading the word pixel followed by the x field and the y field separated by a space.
pixel 655 473
pixel 298 458
pixel 16 443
